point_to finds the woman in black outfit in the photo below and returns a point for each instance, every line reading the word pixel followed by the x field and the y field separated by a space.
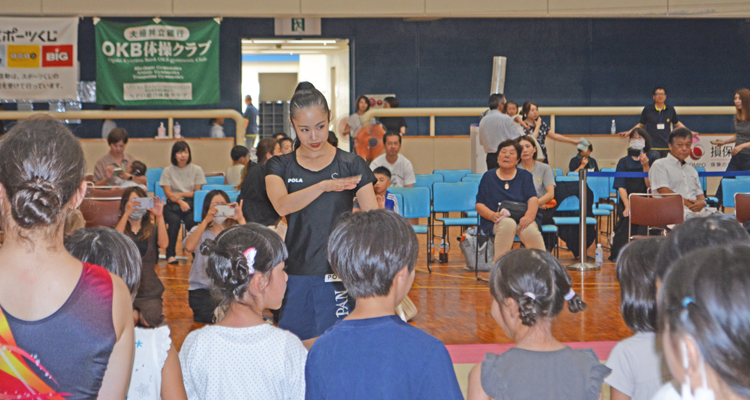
pixel 255 204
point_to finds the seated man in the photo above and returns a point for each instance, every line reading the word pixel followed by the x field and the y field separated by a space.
pixel 402 172
pixel 673 175
pixel 385 198
pixel 583 159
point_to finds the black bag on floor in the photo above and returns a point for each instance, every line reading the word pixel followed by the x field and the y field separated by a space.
pixel 468 243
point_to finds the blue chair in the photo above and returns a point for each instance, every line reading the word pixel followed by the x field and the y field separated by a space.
pixel 731 186
pixel 572 173
pixel 153 175
pixel 198 198
pixel 599 185
pixel 159 191
pixel 215 180
pixel 704 185
pixel 561 178
pixel 426 180
pixel 470 178
pixel 558 172
pixel 572 203
pixel 475 175
pixel 226 188
pixel 416 204
pixel 452 175
pixel 455 197
pixel 612 192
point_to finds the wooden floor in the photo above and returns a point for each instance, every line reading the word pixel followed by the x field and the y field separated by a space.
pixel 453 306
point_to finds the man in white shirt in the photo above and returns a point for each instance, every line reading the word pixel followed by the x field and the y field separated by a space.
pixel 402 172
pixel 494 128
pixel 673 175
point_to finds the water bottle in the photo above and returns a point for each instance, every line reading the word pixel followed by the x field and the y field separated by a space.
pixel 599 255
pixel 613 130
pixel 443 257
pixel 176 130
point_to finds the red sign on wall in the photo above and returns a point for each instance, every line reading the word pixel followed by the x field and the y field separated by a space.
pixel 57 56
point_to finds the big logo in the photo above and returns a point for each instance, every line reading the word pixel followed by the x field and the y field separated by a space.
pixel 697 152
pixel 57 56
pixel 23 56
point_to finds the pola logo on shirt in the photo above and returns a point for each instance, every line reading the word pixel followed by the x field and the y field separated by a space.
pixel 294 180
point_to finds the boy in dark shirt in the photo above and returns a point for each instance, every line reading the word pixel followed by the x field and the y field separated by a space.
pixel 372 353
pixel 583 159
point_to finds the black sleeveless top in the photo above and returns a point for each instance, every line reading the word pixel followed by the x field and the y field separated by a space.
pixel 65 355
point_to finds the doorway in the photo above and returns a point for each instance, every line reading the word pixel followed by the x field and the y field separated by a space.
pixel 271 68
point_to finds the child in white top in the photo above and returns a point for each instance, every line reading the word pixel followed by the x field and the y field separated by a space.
pixel 243 357
pixel 636 366
pixel 156 368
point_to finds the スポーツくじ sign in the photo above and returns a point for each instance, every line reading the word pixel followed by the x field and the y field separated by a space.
pixel 157 62
pixel 38 58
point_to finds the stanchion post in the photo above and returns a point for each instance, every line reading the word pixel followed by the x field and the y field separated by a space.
pixel 582 265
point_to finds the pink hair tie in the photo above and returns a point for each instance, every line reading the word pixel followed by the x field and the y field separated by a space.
pixel 570 295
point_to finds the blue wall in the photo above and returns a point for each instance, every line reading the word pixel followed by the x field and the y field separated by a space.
pixel 554 62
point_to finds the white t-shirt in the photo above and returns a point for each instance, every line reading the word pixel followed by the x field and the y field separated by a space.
pixel 667 392
pixel 260 362
pixel 151 349
pixel 182 179
pixel 402 172
pixel 217 131
pixel 234 174
pixel 636 367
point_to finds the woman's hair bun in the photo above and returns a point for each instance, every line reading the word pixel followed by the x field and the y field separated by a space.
pixel 36 201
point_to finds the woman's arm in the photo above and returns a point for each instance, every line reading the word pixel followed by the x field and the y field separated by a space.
pixel 530 216
pixel 625 201
pixel 163 237
pixel 724 142
pixel 366 198
pixel 286 203
pixel 172 386
pixel 488 214
pixel 547 196
pixel 117 375
pixel 123 222
pixel 194 238
pixel 561 138
pixel 615 394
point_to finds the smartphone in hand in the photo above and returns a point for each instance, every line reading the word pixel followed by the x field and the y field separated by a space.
pixel 144 203
pixel 224 211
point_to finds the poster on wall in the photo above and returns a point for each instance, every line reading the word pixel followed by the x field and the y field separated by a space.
pixel 157 62
pixel 705 154
pixel 38 58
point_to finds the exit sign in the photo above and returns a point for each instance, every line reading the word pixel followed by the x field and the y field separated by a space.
pixel 297 26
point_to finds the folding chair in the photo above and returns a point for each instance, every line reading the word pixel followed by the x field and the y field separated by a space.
pixel 455 197
pixel 651 211
pixel 742 207
pixel 101 211
pixel 199 197
pixel 600 186
pixel 426 180
pixel 153 175
pixel 471 178
pixel 416 204
pixel 452 175
pixel 215 179
pixel 558 172
pixel 731 186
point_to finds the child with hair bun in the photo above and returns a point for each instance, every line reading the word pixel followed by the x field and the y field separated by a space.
pixel 241 356
pixel 529 288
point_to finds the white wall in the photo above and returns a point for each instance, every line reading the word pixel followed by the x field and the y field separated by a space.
pixel 341 62
pixel 383 8
pixel 250 71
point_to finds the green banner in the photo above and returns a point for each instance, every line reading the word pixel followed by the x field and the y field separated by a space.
pixel 157 63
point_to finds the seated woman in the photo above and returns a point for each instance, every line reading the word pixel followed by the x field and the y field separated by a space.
pixel 704 315
pixel 508 203
pixel 180 181
pixel 114 164
pixel 540 130
pixel 544 177
pixel 639 159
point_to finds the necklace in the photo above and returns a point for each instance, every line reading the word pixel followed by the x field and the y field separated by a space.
pixel 507 184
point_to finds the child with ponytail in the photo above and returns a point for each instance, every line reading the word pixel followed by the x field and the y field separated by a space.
pixel 242 356
pixel 529 288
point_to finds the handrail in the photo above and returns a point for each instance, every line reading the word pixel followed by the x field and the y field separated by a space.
pixel 433 112
pixel 170 115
